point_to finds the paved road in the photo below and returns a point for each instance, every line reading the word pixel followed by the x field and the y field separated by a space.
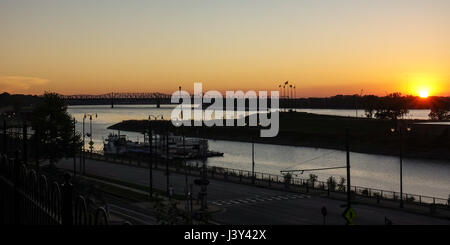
pixel 245 204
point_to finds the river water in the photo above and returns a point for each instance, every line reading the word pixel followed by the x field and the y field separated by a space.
pixel 422 177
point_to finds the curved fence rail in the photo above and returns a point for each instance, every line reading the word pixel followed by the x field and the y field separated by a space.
pixel 26 197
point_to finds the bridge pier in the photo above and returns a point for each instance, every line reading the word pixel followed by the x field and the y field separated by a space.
pixel 112 100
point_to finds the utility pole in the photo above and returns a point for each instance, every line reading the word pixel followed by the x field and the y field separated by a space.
pixel 25 146
pixel 253 160
pixel 36 150
pixel 83 149
pixel 187 193
pixel 167 159
pixel 91 146
pixel 74 149
pixel 347 148
pixel 184 158
pixel 5 149
pixel 401 167
pixel 150 167
pixel 157 141
pixel 203 191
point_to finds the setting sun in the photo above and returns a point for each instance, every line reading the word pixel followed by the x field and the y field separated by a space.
pixel 423 94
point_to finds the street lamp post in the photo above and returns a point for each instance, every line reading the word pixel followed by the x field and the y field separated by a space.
pixel 204 188
pixel 186 178
pixel 187 192
pixel 150 167
pixel 91 143
pixel 167 160
pixel 253 160
pixel 90 136
pixel 150 143
pixel 74 149
pixel 400 131
pixel 184 154
pixel 82 158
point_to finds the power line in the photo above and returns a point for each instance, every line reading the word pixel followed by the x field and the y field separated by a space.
pixel 314 158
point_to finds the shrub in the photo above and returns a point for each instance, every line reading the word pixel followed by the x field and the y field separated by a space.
pixel 365 192
pixel 341 185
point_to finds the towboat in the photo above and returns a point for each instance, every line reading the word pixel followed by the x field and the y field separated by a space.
pixel 163 146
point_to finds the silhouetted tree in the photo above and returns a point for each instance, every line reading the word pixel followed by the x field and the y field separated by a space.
pixel 16 101
pixel 392 107
pixel 331 181
pixel 440 110
pixel 370 103
pixel 54 129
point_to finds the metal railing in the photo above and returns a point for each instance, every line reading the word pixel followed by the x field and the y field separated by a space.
pixel 300 184
pixel 27 197
pixel 335 187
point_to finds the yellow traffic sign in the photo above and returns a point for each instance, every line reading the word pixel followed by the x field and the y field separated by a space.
pixel 349 214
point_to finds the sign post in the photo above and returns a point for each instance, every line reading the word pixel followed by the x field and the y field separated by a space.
pixel 324 214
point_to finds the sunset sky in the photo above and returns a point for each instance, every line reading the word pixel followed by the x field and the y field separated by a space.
pixel 323 47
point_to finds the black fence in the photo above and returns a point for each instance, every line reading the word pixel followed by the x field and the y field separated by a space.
pixel 27 197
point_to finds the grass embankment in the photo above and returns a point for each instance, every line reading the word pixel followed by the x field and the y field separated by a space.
pixel 323 131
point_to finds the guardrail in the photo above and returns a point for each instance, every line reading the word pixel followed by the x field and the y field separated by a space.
pixel 317 185
pixel 301 184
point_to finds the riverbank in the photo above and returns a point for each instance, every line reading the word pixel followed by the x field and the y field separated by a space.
pixel 323 131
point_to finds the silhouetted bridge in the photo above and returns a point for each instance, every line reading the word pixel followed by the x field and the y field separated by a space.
pixel 139 99
pixel 119 99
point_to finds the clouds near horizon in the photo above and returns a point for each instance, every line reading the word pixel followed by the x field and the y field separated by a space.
pixel 21 84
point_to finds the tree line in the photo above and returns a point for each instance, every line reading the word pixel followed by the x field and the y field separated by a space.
pixel 395 106
pixel 392 106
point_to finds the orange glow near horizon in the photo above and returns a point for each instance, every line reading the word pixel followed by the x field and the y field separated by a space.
pixel 425 85
pixel 339 48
